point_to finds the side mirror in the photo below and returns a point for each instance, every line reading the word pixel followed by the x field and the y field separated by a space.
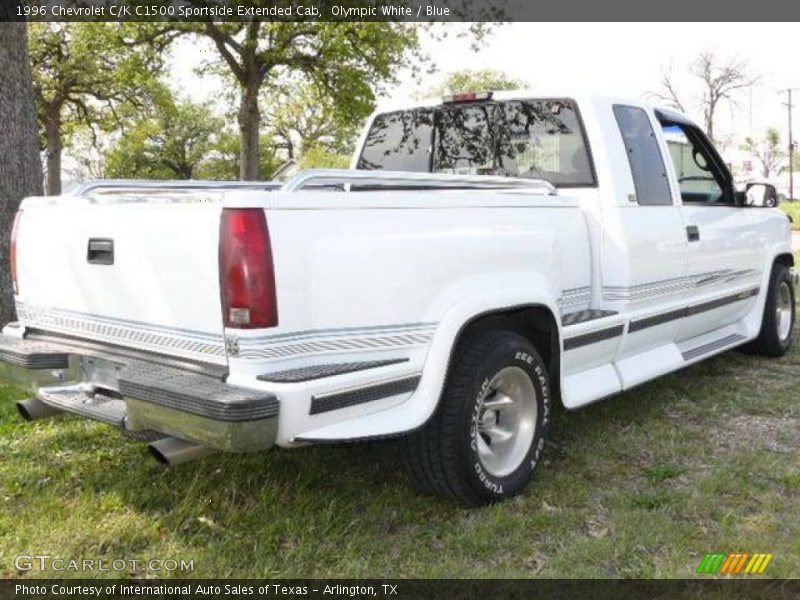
pixel 761 195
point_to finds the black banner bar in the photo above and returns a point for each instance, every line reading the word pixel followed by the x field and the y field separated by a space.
pixel 551 589
pixel 402 10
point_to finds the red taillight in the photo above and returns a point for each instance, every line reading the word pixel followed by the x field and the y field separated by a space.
pixel 246 272
pixel 13 252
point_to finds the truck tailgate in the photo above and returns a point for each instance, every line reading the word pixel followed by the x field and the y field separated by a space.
pixel 136 274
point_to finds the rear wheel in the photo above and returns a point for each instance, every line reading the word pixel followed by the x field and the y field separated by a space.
pixel 487 435
pixel 777 325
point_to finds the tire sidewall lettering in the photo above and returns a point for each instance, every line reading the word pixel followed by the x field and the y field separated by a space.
pixel 533 366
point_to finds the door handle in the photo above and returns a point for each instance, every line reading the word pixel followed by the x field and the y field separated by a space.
pixel 100 251
pixel 693 233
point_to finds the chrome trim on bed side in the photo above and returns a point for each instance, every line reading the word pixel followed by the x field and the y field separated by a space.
pixel 331 341
pixel 188 343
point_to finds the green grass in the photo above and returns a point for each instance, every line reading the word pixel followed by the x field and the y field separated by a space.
pixel 792 208
pixel 642 485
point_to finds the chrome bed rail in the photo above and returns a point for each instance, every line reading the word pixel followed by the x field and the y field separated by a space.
pixel 134 185
pixel 406 180
pixel 321 178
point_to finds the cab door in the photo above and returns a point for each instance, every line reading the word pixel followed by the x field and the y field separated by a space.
pixel 725 254
pixel 644 244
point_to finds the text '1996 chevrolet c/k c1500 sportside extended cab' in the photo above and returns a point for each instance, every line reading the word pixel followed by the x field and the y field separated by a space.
pixel 486 256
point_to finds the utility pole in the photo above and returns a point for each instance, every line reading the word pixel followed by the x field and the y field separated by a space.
pixel 791 142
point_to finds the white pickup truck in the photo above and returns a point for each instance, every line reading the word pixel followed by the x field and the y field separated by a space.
pixel 486 256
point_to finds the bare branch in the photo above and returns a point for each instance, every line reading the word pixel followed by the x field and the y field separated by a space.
pixel 719 82
pixel 669 93
pixel 222 41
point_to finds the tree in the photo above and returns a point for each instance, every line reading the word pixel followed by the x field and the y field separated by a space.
pixel 222 162
pixel 20 167
pixel 88 152
pixel 168 143
pixel 82 74
pixel 719 81
pixel 318 157
pixel 668 94
pixel 348 60
pixel 483 80
pixel 302 118
pixel 768 151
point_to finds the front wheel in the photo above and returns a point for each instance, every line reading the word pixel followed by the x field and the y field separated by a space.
pixel 777 325
pixel 487 435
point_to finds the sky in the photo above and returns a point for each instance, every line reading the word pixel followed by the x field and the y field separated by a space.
pixel 626 59
pixel 618 59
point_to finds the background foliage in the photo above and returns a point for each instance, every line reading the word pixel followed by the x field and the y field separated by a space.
pixel 300 93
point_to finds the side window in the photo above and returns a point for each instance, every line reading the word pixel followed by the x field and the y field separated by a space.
pixel 644 156
pixel 399 141
pixel 699 179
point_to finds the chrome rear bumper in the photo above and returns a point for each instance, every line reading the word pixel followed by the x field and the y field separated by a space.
pixel 144 399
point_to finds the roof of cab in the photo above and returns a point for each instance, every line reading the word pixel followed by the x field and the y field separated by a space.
pixel 582 98
pixel 406 104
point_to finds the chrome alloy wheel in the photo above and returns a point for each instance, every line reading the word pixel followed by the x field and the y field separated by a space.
pixel 506 424
pixel 783 311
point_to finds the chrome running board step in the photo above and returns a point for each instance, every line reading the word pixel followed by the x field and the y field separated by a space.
pixel 84 400
pixel 713 346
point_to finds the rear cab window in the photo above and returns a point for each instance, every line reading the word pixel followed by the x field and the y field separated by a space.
pixel 644 156
pixel 534 139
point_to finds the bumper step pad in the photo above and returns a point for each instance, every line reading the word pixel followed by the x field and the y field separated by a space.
pixel 79 401
pixel 197 394
pixel 96 406
pixel 32 355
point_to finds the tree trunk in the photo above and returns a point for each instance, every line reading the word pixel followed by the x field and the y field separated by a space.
pixel 20 167
pixel 710 110
pixel 52 128
pixel 249 122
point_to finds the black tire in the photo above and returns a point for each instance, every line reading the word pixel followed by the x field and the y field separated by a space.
pixel 442 456
pixel 769 341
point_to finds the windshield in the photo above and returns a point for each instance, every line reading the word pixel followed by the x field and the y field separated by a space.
pixel 537 139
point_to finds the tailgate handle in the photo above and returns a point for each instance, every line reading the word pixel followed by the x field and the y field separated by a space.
pixel 100 251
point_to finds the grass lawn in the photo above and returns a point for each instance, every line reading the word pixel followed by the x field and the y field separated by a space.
pixel 705 460
pixel 793 209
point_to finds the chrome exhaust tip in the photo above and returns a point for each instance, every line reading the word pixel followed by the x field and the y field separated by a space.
pixel 34 409
pixel 174 451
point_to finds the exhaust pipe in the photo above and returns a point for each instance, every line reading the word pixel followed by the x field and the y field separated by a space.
pixel 34 409
pixel 174 451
